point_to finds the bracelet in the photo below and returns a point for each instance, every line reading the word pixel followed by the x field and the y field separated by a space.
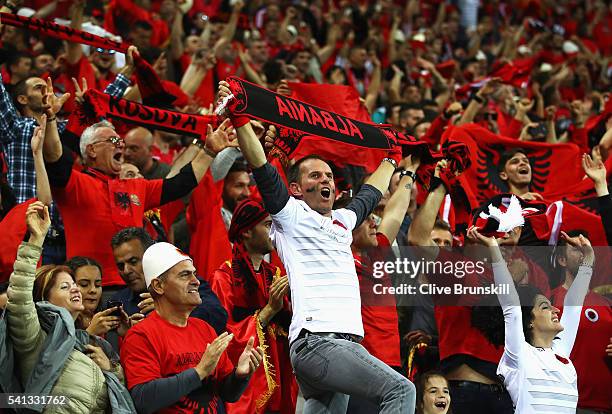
pixel 436 182
pixel 407 173
pixel 391 161
pixel 209 152
pixel 51 119
pixel 478 99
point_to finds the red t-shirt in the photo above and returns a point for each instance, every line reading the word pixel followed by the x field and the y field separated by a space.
pixel 456 334
pixel 380 322
pixel 95 206
pixel 156 349
pixel 593 366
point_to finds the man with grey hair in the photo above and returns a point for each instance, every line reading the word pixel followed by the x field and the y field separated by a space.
pixel 137 151
pixel 96 196
pixel 173 361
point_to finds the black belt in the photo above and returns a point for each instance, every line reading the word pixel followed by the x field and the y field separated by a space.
pixel 478 386
pixel 334 335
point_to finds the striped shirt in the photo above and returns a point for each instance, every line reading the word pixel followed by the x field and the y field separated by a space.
pixel 316 252
pixel 540 380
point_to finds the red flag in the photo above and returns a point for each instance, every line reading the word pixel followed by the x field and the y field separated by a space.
pixel 345 101
pixel 554 166
pixel 516 72
pixel 210 246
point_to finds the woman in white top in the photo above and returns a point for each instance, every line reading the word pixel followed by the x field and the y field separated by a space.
pixel 535 365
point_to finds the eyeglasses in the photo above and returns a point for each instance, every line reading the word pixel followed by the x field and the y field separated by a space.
pixel 109 51
pixel 118 142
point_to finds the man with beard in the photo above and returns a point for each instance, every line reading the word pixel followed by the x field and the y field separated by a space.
pixel 515 171
pixel 176 363
pixel 313 242
pixel 253 292
pixel 235 189
pixel 43 64
pixel 138 143
pixel 128 247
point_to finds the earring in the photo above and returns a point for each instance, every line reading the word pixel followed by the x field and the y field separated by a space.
pixel 531 325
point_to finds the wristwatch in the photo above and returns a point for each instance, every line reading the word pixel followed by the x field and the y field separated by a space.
pixel 408 173
pixel 198 142
pixel 391 161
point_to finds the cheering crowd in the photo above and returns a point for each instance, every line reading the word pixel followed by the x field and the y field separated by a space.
pixel 193 195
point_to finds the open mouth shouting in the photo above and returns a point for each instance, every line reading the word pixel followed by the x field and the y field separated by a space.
pixel 326 193
pixel 525 170
pixel 440 405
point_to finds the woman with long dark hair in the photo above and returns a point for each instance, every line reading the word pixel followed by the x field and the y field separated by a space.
pixel 535 365
pixel 87 274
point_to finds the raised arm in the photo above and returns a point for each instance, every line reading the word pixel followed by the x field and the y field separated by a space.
pixel 395 211
pixel 572 305
pixel 419 232
pixel 23 325
pixel 75 50
pixel 478 101
pixel 249 144
pixel 510 303
pixel 52 147
pixel 43 189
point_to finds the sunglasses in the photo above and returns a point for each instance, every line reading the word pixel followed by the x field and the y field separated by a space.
pixel 116 141
pixel 109 51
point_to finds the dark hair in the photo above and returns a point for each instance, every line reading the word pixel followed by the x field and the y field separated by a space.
pixel 341 69
pixel 18 89
pixel 527 295
pixel 557 275
pixel 442 225
pixel 293 175
pixel 488 318
pixel 132 233
pixel 421 383
pixel 45 279
pixel 142 24
pixel 506 156
pixel 238 166
pixel 273 69
pixel 150 54
pixel 76 262
pixel 15 57
pixel 408 106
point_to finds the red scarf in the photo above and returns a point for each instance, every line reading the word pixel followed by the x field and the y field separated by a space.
pixel 58 31
pixel 100 105
pixel 332 135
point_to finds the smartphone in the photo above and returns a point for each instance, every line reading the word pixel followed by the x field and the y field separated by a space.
pixel 114 304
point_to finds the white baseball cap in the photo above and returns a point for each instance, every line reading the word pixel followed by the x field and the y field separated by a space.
pixel 160 257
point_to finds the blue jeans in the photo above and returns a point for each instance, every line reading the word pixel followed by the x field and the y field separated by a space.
pixel 328 370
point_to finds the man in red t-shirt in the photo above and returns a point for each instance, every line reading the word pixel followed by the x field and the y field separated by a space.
pixel 96 196
pixel 174 363
pixel 593 365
